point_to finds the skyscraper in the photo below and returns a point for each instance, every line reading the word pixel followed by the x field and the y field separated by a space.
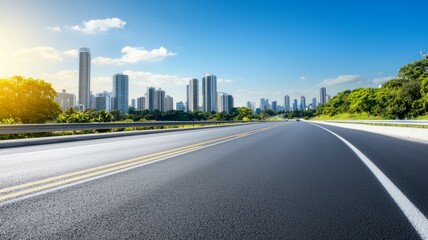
pixel 141 102
pixel 327 98
pixel 323 95
pixel 230 103
pixel 179 106
pixel 264 104
pixel 222 102
pixel 314 103
pixel 84 77
pixel 286 103
pixel 193 95
pixel 274 106
pixel 160 100
pixel 302 103
pixel 169 103
pixel 103 101
pixel 295 105
pixel 134 103
pixel 209 93
pixel 120 92
pixel 251 105
pixel 150 99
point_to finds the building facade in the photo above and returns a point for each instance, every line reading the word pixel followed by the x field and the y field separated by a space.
pixel 160 100
pixel 121 92
pixel 84 77
pixel 302 103
pixel 209 93
pixel 103 101
pixel 287 103
pixel 230 103
pixel 150 99
pixel 179 106
pixel 65 100
pixel 141 103
pixel 169 103
pixel 323 95
pixel 193 95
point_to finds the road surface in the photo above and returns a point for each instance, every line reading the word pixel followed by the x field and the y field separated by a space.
pixel 281 180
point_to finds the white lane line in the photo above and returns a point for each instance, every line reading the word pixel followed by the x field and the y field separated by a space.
pixel 97 144
pixel 115 172
pixel 415 217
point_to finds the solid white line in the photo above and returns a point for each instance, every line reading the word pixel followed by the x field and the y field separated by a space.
pixel 112 173
pixel 415 217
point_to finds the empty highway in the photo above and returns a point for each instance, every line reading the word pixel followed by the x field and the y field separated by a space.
pixel 279 180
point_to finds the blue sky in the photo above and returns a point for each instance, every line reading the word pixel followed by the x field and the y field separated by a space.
pixel 256 48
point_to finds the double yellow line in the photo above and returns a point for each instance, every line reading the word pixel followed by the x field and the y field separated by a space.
pixel 52 182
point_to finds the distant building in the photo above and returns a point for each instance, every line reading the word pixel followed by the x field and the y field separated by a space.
pixel 314 103
pixel 160 100
pixel 251 105
pixel 120 92
pixel 230 103
pixel 209 93
pixel 179 106
pixel 327 98
pixel 169 103
pixel 65 100
pixel 193 95
pixel 134 103
pixel 274 106
pixel 264 104
pixel 323 95
pixel 258 110
pixel 92 100
pixel 302 103
pixel 222 103
pixel 84 77
pixel 150 99
pixel 141 103
pixel 295 105
pixel 103 101
pixel 287 103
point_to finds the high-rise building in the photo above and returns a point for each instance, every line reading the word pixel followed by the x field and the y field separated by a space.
pixel 193 95
pixel 251 105
pixel 230 103
pixel 209 93
pixel 120 92
pixel 295 105
pixel 302 103
pixel 274 106
pixel 84 77
pixel 264 104
pixel 314 103
pixel 169 103
pixel 134 103
pixel 65 100
pixel 286 103
pixel 179 106
pixel 160 100
pixel 92 100
pixel 103 101
pixel 141 103
pixel 150 99
pixel 323 95
pixel 327 98
pixel 222 105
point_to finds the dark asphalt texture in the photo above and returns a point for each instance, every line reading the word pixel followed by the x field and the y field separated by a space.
pixel 295 181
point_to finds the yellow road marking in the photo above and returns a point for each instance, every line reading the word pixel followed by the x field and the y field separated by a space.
pixel 87 173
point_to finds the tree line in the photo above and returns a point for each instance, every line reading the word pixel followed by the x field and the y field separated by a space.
pixel 405 96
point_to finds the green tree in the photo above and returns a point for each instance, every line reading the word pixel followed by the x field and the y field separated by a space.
pixel 27 100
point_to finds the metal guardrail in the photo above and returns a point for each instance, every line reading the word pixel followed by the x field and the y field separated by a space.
pixel 59 127
pixel 404 123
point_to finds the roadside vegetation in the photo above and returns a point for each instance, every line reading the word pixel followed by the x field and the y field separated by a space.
pixel 406 96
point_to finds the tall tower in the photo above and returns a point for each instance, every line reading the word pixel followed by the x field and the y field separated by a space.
pixel 84 77
pixel 209 93
pixel 287 103
pixel 302 103
pixel 323 95
pixel 150 99
pixel 120 92
pixel 160 100
pixel 193 95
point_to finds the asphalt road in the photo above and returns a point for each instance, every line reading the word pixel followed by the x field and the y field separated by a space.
pixel 265 181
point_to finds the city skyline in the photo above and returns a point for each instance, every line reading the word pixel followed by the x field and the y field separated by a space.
pixel 290 49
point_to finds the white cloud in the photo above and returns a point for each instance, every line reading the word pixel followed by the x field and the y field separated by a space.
pixel 43 52
pixel 65 79
pixel 343 79
pixel 54 29
pixel 95 26
pixel 148 79
pixel 224 81
pixel 381 80
pixel 135 54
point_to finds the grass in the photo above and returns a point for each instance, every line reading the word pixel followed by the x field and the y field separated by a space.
pixel 424 117
pixel 348 116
